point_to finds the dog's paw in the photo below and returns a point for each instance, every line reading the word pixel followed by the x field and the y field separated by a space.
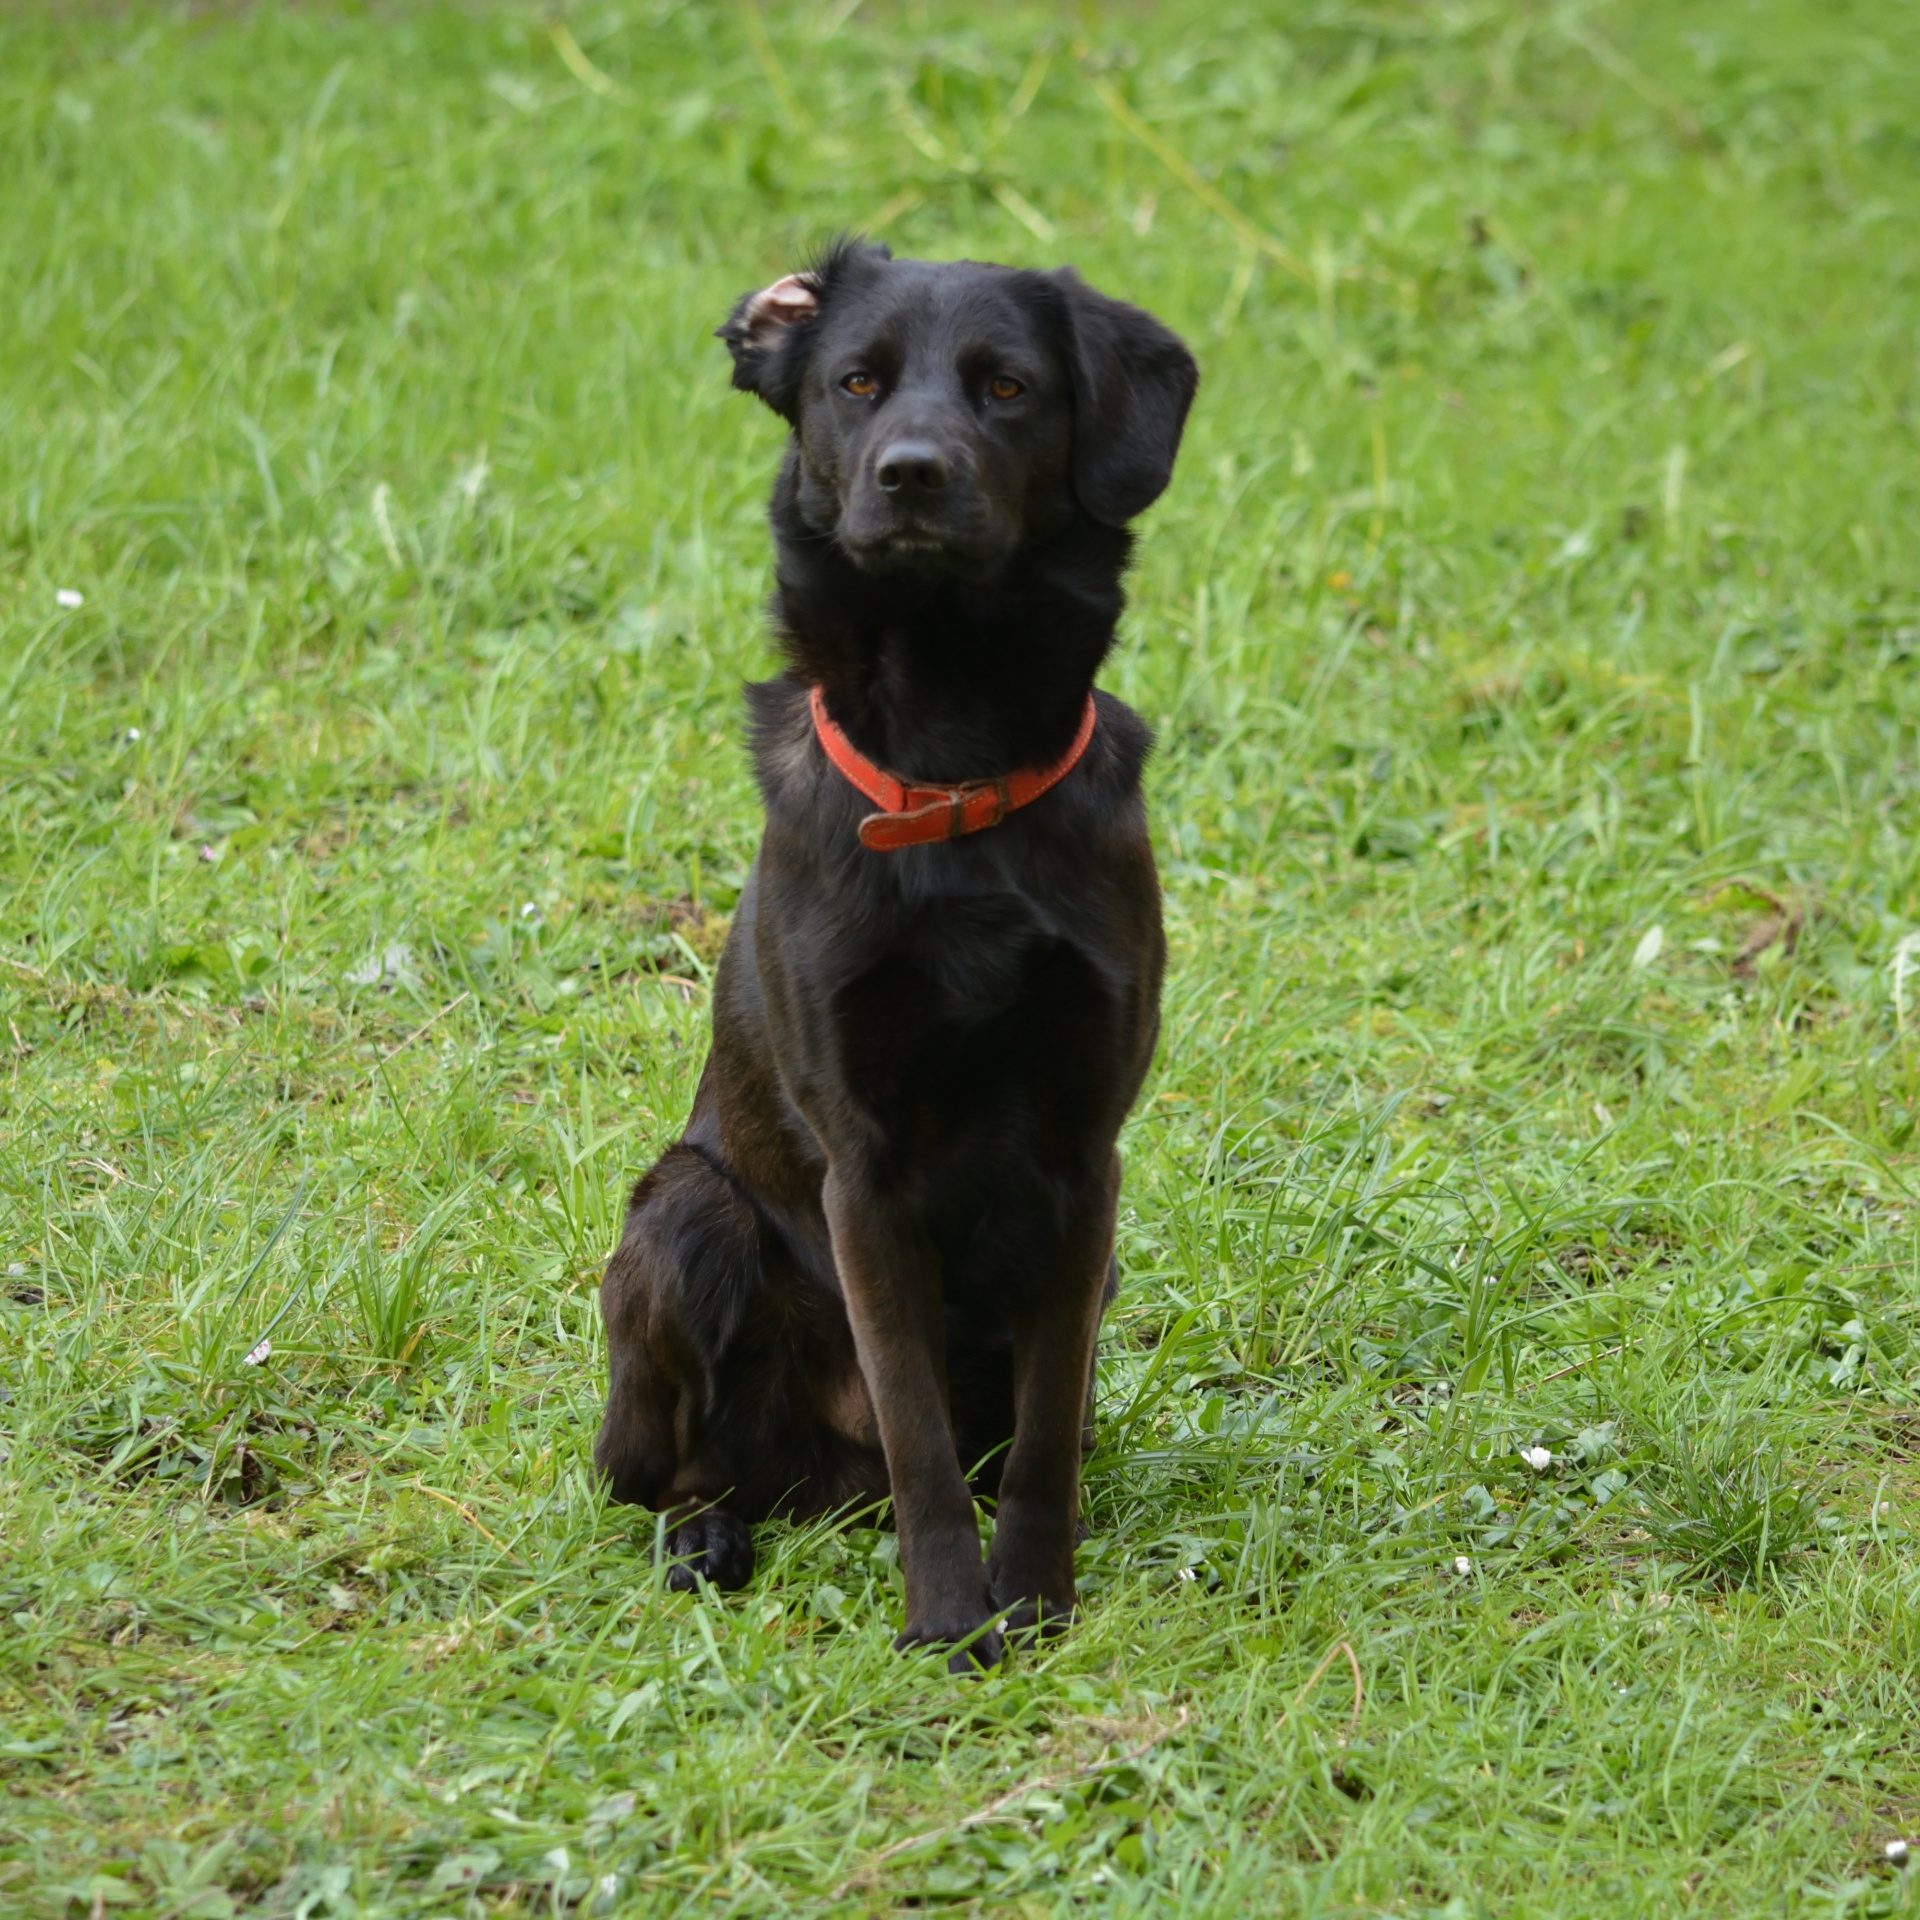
pixel 969 1649
pixel 710 1546
pixel 1037 1618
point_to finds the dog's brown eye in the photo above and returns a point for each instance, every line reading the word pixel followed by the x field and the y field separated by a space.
pixel 1005 389
pixel 860 385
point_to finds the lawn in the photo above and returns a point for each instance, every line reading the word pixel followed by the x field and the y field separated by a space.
pixel 1510 1424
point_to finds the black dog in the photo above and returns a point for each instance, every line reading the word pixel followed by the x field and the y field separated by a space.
pixel 877 1260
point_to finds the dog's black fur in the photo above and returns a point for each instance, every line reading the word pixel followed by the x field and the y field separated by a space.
pixel 877 1259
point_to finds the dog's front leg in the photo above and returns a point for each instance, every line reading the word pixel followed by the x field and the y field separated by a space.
pixel 891 1285
pixel 1031 1567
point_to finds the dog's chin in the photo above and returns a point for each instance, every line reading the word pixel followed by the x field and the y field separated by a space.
pixel 919 553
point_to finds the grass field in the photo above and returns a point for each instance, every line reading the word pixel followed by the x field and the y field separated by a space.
pixel 1510 1458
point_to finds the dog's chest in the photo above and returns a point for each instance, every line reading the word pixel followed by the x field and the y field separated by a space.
pixel 980 1014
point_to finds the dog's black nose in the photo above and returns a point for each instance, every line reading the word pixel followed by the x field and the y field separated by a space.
pixel 913 466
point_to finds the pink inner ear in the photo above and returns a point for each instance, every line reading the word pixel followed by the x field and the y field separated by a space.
pixel 781 304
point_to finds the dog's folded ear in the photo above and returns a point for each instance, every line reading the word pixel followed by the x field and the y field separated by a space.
pixel 757 330
pixel 1133 381
pixel 768 332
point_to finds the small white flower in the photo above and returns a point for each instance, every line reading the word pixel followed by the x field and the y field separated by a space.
pixel 1896 1852
pixel 133 733
pixel 1186 1573
pixel 1462 1565
pixel 70 597
pixel 1538 1458
pixel 608 1885
pixel 258 1354
pixel 528 911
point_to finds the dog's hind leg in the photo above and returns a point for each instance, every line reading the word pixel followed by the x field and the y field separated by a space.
pixel 718 1359
pixel 685 1278
pixel 635 1451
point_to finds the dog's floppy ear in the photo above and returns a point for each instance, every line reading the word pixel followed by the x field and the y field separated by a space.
pixel 767 332
pixel 1133 381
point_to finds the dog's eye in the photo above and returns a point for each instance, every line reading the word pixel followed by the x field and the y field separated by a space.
pixel 1005 388
pixel 862 386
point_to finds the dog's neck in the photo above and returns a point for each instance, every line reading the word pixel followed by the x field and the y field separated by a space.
pixel 945 680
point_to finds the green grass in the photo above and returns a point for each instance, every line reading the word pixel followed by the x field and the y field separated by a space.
pixel 1532 632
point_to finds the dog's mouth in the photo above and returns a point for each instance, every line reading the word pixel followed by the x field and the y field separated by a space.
pixel 922 544
pixel 921 553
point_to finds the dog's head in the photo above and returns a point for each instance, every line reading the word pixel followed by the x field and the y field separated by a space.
pixel 946 415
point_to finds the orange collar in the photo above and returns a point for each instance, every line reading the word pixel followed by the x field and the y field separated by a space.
pixel 913 814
